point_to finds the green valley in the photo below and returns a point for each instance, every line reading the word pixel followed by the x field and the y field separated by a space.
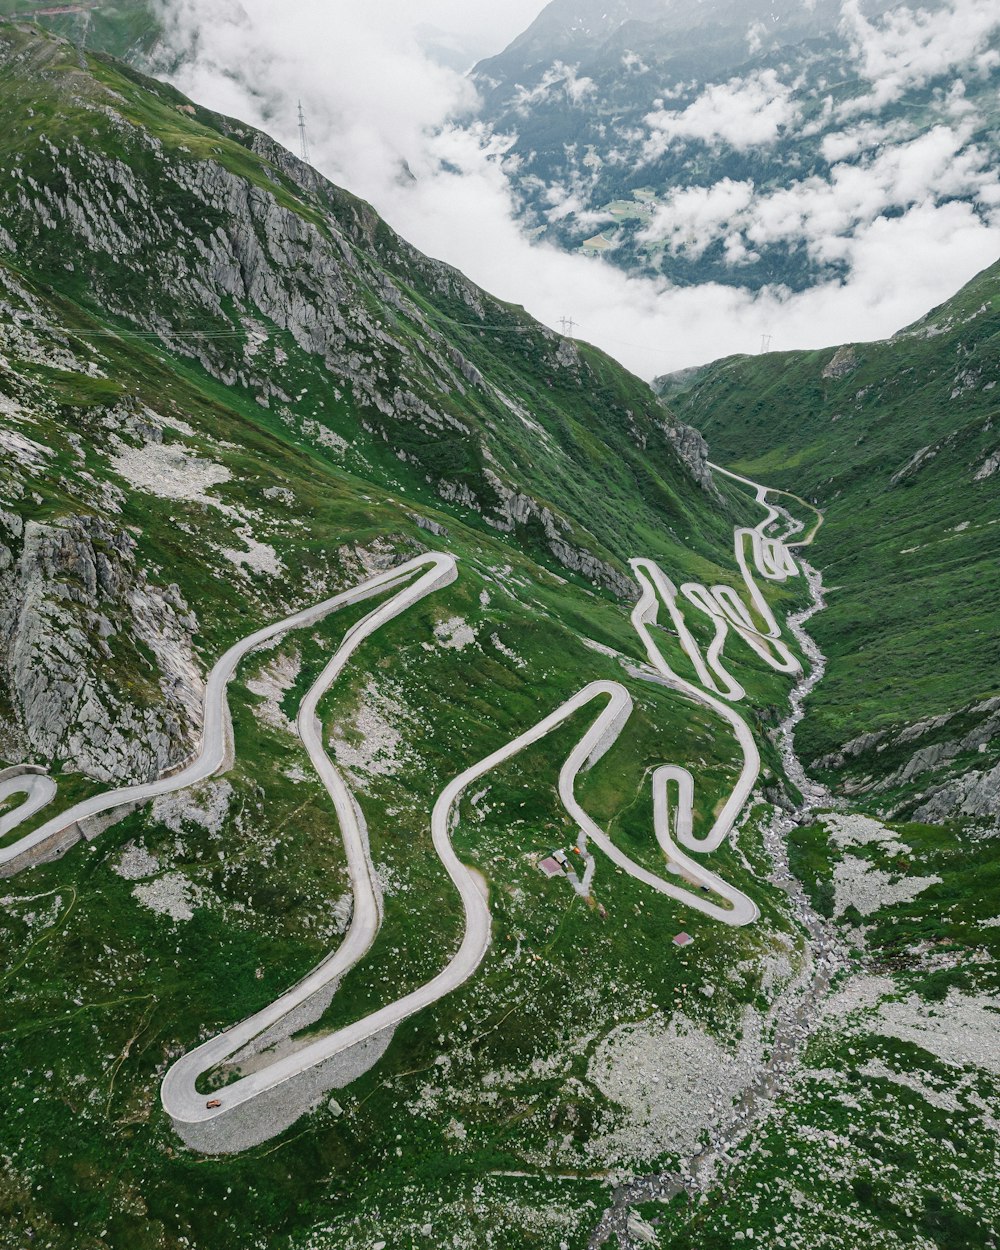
pixel 590 838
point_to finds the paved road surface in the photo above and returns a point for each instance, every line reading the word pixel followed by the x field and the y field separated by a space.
pixel 441 569
pixel 37 790
pixel 179 1093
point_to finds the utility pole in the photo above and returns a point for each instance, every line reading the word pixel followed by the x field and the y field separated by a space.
pixel 568 325
pixel 302 134
pixel 765 343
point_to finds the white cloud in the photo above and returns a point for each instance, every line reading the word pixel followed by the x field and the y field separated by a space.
pixel 839 145
pixel 756 33
pixel 910 48
pixel 828 216
pixel 743 113
pixel 558 79
pixel 374 99
pixel 693 218
pixel 632 63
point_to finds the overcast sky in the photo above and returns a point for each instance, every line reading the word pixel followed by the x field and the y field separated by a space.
pixel 480 27
pixel 380 103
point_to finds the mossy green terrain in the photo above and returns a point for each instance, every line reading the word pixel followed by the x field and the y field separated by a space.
pixel 258 465
pixel 886 1132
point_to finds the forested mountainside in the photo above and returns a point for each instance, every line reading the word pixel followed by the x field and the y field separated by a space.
pixel 742 141
pixel 899 444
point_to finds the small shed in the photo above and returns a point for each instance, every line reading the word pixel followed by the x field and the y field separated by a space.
pixel 683 939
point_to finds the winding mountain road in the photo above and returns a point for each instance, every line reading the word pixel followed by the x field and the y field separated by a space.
pixel 673 825
pixel 216 734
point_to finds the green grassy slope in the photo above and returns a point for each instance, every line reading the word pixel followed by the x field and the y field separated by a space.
pixel 124 28
pixel 334 413
pixel 897 441
pixel 885 1135
pixel 227 360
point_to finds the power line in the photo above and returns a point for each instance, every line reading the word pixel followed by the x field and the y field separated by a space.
pixel 138 334
pixel 302 135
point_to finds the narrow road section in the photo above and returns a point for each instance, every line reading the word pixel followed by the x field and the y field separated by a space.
pixel 38 790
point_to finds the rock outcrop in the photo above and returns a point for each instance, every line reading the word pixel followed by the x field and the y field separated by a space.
pixel 282 275
pixel 975 794
pixel 937 776
pixel 96 660
pixel 692 450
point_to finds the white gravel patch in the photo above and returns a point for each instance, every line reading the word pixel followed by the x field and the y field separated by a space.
pixel 962 1030
pixel 670 1081
pixel 454 634
pixel 371 745
pixel 258 557
pixel 324 436
pixel 508 652
pixel 170 472
pixel 936 1097
pixel 280 494
pixel 856 883
pixel 600 648
pixel 135 863
pixel 273 683
pixel 858 994
pixel 859 883
pixel 849 830
pixel 171 895
pixel 206 806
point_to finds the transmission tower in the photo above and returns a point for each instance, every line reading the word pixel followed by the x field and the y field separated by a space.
pixel 568 325
pixel 765 343
pixel 304 142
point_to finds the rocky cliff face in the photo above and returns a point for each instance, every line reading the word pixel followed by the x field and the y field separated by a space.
pixel 693 450
pixel 75 611
pixel 942 768
pixel 240 257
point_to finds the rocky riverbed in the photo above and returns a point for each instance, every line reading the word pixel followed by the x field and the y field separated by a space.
pixel 796 1013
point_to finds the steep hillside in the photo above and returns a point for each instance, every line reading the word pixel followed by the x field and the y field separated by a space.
pixel 125 28
pixel 254 233
pixel 228 391
pixel 898 442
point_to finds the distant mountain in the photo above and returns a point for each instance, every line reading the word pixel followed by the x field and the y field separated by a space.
pixel 585 28
pixel 744 141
